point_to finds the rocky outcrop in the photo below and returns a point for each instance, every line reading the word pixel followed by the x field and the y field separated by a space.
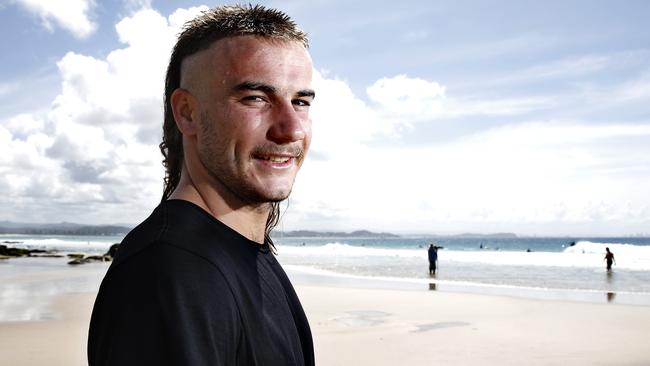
pixel 79 258
pixel 75 258
pixel 19 252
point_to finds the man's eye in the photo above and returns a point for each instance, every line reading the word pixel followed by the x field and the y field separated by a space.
pixel 253 98
pixel 301 102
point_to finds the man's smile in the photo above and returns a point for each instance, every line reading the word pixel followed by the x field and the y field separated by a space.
pixel 277 157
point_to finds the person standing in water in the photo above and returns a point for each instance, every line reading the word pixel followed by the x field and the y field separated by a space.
pixel 609 257
pixel 433 259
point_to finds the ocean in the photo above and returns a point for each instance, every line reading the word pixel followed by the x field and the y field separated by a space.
pixel 533 267
pixel 546 268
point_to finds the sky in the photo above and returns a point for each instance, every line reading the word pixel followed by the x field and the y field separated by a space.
pixel 437 117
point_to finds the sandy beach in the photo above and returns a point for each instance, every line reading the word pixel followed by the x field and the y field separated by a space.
pixel 354 326
pixel 392 327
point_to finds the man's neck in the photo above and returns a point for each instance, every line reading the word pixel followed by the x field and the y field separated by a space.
pixel 248 220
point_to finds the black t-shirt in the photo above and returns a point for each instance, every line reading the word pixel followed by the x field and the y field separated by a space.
pixel 185 289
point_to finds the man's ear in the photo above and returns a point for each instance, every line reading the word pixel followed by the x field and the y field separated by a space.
pixel 186 113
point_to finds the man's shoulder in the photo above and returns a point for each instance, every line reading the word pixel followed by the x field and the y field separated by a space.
pixel 174 223
pixel 179 229
pixel 152 264
pixel 142 237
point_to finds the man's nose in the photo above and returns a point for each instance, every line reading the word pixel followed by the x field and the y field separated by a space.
pixel 287 124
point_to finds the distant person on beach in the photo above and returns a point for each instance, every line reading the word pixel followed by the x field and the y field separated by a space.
pixel 609 258
pixel 433 259
pixel 197 283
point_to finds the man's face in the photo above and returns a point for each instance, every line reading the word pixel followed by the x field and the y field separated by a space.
pixel 254 99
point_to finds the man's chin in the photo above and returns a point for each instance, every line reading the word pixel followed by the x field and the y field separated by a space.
pixel 272 196
pixel 278 197
pixel 277 192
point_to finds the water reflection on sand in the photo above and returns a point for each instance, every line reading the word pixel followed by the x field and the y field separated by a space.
pixel 29 285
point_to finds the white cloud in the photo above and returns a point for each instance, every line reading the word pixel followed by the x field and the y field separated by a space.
pixel 97 144
pixel 72 15
pixel 538 177
pixel 403 101
pixel 24 125
pixel 93 156
pixel 628 96
pixel 341 121
pixel 402 95
pixel 536 174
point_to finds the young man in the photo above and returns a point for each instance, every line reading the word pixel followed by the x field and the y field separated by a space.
pixel 197 282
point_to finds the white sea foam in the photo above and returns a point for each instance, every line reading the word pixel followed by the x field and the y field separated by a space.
pixel 61 244
pixel 627 250
pixel 583 255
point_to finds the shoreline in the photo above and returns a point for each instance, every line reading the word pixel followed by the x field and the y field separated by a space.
pixel 308 276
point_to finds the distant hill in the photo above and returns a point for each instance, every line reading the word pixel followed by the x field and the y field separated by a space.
pixel 64 228
pixel 332 234
pixel 67 228
pixel 482 236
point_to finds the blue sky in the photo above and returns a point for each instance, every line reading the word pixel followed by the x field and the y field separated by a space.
pixel 431 117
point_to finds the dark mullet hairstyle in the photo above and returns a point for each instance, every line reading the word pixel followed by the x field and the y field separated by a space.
pixel 199 34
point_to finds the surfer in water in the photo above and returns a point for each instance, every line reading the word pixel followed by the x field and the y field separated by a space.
pixel 609 257
pixel 433 259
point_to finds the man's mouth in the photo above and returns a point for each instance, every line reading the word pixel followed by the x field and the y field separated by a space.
pixel 275 159
pixel 280 156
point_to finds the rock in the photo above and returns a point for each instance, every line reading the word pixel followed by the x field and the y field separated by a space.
pixel 18 252
pixel 79 258
pixel 91 258
pixel 77 261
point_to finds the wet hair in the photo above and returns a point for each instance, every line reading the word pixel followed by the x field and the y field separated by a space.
pixel 199 34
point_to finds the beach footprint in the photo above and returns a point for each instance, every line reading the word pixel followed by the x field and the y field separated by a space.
pixel 362 318
pixel 438 325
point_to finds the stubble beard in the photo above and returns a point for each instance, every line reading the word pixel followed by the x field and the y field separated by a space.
pixel 211 153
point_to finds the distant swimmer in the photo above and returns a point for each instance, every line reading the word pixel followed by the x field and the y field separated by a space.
pixel 609 257
pixel 433 259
